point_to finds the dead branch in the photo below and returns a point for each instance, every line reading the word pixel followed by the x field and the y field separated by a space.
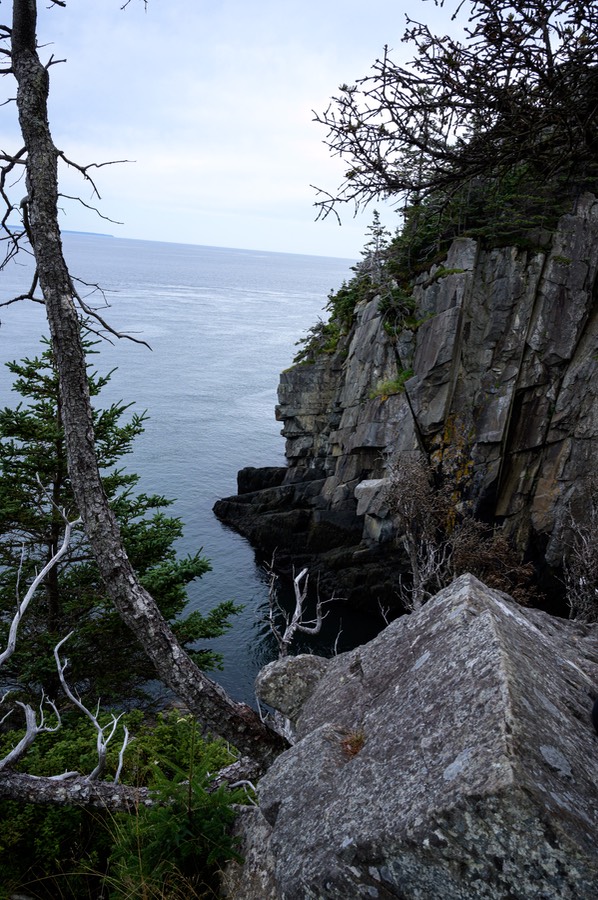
pixel 581 556
pixel 72 790
pixel 442 539
pixel 108 329
pixel 104 733
pixel 12 635
pixel 295 622
pixel 92 208
pixel 84 170
pixel 418 510
pixel 32 726
pixel 32 729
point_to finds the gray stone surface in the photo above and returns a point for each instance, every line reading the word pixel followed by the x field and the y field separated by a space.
pixel 286 684
pixel 255 878
pixel 452 757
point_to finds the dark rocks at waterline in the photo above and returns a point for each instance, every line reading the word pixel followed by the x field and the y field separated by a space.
pixel 289 522
pixel 251 479
pixel 451 757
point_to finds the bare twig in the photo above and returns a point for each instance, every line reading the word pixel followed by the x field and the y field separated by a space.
pixel 12 635
pixel 84 170
pixel 92 208
pixel 104 733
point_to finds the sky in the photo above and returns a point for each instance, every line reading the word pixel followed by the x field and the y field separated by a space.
pixel 212 102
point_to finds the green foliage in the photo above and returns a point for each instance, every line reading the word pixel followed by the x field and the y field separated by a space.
pixel 323 337
pixel 442 272
pixel 106 660
pixel 508 210
pixel 369 279
pixel 397 306
pixel 386 389
pixel 173 846
pixel 185 834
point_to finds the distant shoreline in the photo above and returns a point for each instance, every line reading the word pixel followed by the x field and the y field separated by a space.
pixel 102 234
pixel 90 233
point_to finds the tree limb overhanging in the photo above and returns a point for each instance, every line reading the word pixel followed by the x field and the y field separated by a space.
pixel 518 87
pixel 236 722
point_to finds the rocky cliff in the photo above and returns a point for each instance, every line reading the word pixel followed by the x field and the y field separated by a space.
pixel 451 757
pixel 502 354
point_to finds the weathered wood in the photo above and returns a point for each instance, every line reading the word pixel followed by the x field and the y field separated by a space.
pixel 72 790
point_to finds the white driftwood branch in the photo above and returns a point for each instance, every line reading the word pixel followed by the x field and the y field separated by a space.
pixel 32 729
pixel 22 608
pixel 104 733
pixel 121 754
pixel 294 623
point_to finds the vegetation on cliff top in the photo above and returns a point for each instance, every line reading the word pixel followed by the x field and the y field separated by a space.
pixel 513 94
pixel 490 135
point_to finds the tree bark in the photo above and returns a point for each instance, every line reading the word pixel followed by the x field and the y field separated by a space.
pixel 73 791
pixel 236 722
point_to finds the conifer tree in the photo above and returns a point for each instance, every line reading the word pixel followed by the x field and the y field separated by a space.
pixel 105 657
pixel 512 94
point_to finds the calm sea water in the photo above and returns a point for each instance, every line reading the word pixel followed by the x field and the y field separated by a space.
pixel 222 324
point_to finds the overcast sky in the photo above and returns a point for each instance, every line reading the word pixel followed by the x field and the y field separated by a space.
pixel 213 101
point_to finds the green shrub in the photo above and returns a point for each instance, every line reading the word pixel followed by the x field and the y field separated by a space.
pixel 385 389
pixel 182 839
pixel 55 852
pixel 323 337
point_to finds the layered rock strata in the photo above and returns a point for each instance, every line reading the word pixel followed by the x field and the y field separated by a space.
pixel 504 357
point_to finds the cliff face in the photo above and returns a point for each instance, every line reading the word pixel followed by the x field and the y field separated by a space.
pixel 504 360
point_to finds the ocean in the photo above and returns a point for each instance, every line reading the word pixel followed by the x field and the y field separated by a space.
pixel 222 324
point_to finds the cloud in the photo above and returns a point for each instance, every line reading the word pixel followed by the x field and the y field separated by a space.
pixel 214 103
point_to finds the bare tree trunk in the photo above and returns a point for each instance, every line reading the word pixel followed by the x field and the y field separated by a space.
pixel 233 721
pixel 72 791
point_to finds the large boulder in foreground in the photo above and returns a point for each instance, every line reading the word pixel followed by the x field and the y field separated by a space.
pixel 451 757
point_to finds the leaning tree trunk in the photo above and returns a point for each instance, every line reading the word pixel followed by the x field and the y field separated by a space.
pixel 233 721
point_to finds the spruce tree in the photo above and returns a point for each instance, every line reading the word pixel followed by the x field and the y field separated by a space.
pixel 106 659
